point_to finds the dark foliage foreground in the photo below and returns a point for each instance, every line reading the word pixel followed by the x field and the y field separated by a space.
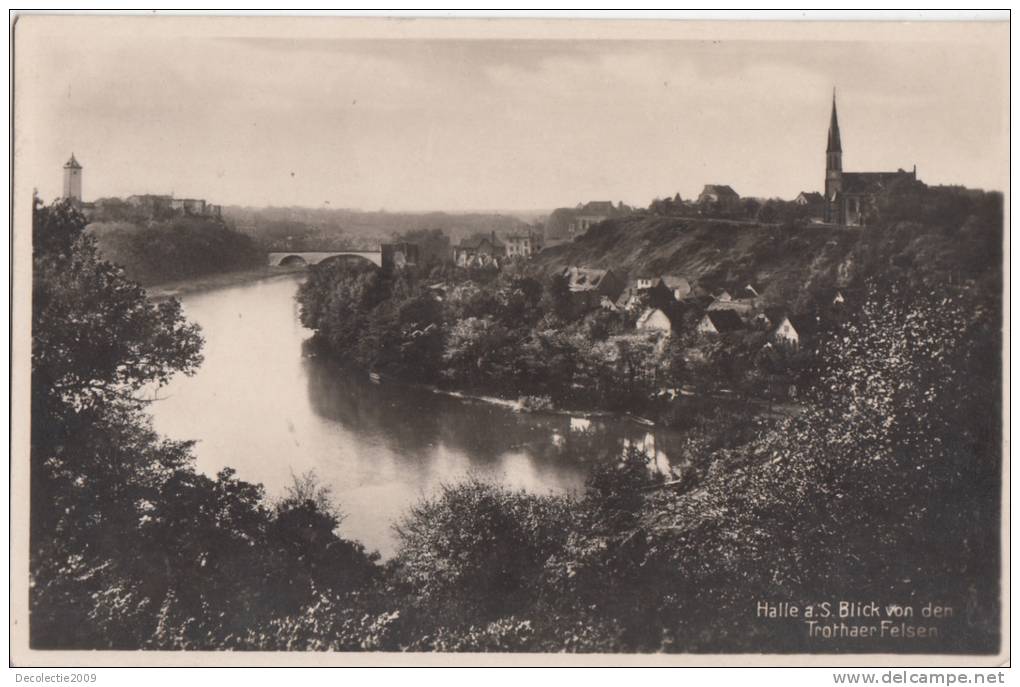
pixel 885 489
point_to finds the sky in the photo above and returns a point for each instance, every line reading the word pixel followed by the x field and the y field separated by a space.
pixel 288 116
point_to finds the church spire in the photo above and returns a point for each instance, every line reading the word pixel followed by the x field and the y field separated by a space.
pixel 834 144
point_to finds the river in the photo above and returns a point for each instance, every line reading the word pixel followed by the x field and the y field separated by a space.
pixel 261 405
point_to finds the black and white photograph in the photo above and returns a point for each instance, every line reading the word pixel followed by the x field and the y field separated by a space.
pixel 358 340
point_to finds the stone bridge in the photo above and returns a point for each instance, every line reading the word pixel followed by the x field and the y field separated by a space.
pixel 314 258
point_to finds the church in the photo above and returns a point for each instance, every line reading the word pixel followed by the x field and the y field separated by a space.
pixel 850 196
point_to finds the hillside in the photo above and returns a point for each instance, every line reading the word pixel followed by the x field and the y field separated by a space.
pixel 157 252
pixel 784 262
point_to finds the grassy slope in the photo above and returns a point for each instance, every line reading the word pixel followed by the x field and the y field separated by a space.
pixel 715 253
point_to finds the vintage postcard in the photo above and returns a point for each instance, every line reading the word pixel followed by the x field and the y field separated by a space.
pixel 574 342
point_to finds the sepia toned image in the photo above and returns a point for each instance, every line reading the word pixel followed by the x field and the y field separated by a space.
pixel 343 340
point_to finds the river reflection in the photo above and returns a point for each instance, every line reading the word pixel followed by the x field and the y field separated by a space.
pixel 261 405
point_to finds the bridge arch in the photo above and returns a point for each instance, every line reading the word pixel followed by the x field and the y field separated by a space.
pixel 353 258
pixel 292 261
pixel 316 257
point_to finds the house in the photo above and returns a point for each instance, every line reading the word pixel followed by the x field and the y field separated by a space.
pixel 676 288
pixel 588 215
pixel 717 322
pixel 719 196
pixel 654 319
pixel 745 302
pixel 785 334
pixel 590 286
pixel 850 196
pixel 522 245
pixel 479 251
pixel 793 332
pixel 809 198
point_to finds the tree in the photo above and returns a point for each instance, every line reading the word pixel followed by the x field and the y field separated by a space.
pixel 119 517
pixel 477 550
pixel 556 297
pixel 97 341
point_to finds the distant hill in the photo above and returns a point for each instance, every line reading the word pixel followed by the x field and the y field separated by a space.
pixel 295 228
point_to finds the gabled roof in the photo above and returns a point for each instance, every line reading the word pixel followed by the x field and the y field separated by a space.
pixel 724 320
pixel 720 190
pixel 477 241
pixel 806 325
pixel 697 302
pixel 648 313
pixel 811 196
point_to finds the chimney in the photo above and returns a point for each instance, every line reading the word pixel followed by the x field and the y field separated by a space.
pixel 494 237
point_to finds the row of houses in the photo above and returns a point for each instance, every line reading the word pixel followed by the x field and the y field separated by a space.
pixel 664 300
pixel 486 251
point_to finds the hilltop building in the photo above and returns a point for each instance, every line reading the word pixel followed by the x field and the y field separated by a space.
pixel 849 196
pixel 805 198
pixel 72 180
pixel 156 204
pixel 719 196
pixel 590 214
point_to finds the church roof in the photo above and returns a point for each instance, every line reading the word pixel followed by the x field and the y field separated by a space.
pixel 72 163
pixel 834 145
pixel 872 182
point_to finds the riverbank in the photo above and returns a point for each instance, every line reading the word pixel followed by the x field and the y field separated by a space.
pixel 219 280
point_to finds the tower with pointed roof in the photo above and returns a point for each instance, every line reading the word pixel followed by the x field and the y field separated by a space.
pixel 72 180
pixel 833 160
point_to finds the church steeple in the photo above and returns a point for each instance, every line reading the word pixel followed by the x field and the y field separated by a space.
pixel 834 144
pixel 833 165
